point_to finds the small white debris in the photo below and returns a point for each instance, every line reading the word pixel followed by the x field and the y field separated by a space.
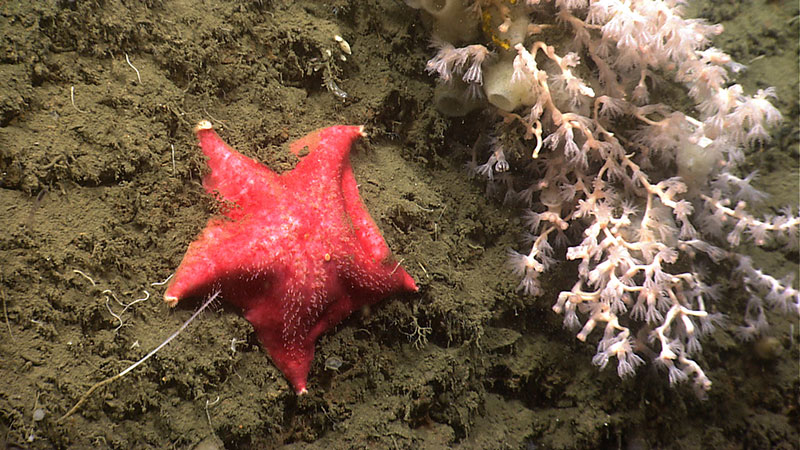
pixel 343 45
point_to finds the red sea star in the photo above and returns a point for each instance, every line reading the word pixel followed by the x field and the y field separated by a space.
pixel 299 252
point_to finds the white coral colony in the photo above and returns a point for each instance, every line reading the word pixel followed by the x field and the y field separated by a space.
pixel 649 205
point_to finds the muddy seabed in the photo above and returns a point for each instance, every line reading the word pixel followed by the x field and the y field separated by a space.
pixel 100 195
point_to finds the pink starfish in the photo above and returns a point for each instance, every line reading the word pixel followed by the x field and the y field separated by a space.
pixel 298 253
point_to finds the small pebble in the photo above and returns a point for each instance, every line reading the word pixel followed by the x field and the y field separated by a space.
pixel 38 414
pixel 333 363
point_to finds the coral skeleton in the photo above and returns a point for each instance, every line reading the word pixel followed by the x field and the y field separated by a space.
pixel 639 193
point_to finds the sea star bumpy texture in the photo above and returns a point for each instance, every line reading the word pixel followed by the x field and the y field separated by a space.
pixel 297 254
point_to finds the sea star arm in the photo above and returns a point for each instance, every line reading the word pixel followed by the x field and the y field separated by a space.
pixel 376 258
pixel 328 151
pixel 329 148
pixel 209 264
pixel 235 177
pixel 290 318
pixel 369 278
pixel 367 232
